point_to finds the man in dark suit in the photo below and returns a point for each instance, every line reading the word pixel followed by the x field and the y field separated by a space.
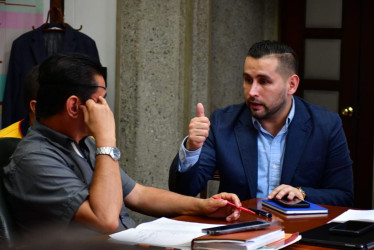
pixel 274 145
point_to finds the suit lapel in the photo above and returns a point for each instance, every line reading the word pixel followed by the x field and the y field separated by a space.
pixel 298 134
pixel 246 136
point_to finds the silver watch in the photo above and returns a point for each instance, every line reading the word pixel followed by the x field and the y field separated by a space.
pixel 111 151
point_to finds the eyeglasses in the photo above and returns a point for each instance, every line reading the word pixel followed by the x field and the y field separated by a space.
pixel 80 85
pixel 88 86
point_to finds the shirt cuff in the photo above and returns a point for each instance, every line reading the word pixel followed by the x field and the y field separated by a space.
pixel 187 158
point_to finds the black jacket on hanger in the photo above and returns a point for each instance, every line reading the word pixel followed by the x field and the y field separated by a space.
pixel 31 49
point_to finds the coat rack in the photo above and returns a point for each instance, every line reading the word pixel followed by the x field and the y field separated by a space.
pixel 56 16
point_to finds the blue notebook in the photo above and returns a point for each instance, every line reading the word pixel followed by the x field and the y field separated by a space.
pixel 312 209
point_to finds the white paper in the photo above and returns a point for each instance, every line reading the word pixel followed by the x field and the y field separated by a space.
pixel 354 214
pixel 163 232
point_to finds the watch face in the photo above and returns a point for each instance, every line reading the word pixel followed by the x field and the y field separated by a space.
pixel 116 154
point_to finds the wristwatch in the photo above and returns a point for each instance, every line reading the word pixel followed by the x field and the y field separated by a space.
pixel 111 151
pixel 302 191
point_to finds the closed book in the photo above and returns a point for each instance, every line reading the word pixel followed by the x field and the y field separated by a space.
pixel 241 240
pixel 312 209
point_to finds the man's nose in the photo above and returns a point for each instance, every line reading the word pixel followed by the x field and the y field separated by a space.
pixel 254 88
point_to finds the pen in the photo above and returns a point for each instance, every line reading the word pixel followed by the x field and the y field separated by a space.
pixel 233 205
pixel 261 212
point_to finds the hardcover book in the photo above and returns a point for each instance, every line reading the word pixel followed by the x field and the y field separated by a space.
pixel 242 240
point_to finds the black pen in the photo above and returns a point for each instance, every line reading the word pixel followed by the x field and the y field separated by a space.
pixel 261 212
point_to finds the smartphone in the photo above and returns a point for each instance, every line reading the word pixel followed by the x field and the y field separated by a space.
pixel 234 228
pixel 294 203
pixel 352 227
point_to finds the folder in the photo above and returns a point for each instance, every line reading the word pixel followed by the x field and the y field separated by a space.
pixel 321 236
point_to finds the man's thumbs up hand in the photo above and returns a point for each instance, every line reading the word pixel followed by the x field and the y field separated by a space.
pixel 198 130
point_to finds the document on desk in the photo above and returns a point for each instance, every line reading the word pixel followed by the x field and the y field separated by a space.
pixel 163 232
pixel 355 214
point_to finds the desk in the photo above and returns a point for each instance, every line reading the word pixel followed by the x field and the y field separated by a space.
pixel 290 224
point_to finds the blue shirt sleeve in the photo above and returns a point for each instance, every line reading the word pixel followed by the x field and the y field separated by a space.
pixel 187 158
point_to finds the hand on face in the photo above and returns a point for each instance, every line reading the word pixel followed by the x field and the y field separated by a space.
pixel 218 208
pixel 286 190
pixel 198 129
pixel 99 120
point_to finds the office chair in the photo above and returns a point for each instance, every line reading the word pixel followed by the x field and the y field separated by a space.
pixel 216 177
pixel 7 227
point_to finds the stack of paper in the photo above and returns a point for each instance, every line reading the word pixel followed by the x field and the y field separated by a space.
pixel 162 232
pixel 354 214
pixel 180 234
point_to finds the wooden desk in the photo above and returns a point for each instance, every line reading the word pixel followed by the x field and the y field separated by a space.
pixel 291 224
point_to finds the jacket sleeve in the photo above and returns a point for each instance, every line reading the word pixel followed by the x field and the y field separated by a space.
pixel 194 180
pixel 13 109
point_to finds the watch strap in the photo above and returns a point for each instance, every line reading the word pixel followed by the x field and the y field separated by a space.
pixel 111 151
pixel 302 191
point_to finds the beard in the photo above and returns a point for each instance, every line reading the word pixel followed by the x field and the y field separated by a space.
pixel 262 111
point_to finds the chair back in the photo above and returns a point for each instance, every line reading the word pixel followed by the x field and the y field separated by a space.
pixel 204 192
pixel 7 227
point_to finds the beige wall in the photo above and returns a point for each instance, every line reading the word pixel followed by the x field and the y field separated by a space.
pixel 172 54
pixel 99 23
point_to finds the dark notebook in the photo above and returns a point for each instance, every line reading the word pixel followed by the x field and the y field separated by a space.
pixel 321 236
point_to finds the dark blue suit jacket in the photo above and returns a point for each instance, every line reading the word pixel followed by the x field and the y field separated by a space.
pixel 27 51
pixel 316 156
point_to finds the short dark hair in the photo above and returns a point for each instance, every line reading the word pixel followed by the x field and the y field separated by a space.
pixel 64 75
pixel 286 55
pixel 30 87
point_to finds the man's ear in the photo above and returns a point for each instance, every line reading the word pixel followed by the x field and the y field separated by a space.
pixel 32 105
pixel 293 84
pixel 72 106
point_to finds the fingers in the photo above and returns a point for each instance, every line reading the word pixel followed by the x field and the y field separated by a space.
pixel 102 100
pixel 229 203
pixel 99 120
pixel 286 191
pixel 200 110
pixel 233 198
pixel 89 106
pixel 235 215
pixel 84 109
